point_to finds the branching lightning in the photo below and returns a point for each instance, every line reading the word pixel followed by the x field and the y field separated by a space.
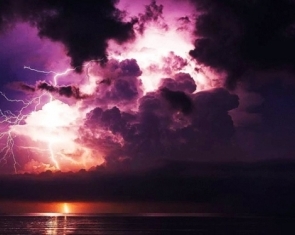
pixel 55 79
pixel 9 119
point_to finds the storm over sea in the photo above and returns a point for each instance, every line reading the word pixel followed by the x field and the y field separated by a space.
pixel 143 224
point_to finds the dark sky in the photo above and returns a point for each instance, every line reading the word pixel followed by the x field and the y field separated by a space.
pixel 189 101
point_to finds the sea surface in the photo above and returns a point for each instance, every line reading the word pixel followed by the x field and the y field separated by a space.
pixel 162 224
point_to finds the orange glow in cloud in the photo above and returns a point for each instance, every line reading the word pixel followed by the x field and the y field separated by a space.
pixel 56 125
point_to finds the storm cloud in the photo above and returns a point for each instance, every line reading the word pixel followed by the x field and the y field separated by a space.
pixel 168 125
pixel 186 101
pixel 237 36
pixel 82 27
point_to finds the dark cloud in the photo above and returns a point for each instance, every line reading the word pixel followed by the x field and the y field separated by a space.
pixel 216 99
pixel 168 125
pixel 254 43
pixel 129 67
pixel 180 82
pixel 178 100
pixel 120 83
pixel 83 27
pixel 66 91
pixel 235 36
pixel 153 14
pixel 272 136
pixel 212 117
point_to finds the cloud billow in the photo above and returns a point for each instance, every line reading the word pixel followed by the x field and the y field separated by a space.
pixel 235 36
pixel 83 27
pixel 168 125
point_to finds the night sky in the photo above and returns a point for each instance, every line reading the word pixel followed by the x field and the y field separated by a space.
pixel 186 102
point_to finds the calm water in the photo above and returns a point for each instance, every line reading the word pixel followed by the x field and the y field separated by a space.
pixel 143 224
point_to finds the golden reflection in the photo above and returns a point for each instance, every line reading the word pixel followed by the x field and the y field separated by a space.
pixel 51 226
pixel 56 225
pixel 65 227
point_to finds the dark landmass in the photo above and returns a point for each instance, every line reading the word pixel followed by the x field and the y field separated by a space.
pixel 262 188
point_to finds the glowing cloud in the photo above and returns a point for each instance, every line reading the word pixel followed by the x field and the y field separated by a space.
pixel 53 128
pixel 161 47
pixel 116 108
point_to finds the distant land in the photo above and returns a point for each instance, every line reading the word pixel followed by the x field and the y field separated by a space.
pixel 263 188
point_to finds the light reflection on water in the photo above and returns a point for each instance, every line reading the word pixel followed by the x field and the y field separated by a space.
pixel 59 224
pixel 49 224
pixel 56 225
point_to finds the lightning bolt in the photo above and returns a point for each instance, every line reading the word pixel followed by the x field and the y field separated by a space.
pixel 51 98
pixel 9 118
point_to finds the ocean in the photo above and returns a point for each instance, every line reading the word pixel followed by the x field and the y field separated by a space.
pixel 141 224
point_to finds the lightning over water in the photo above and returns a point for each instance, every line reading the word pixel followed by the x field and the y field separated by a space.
pixel 141 92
